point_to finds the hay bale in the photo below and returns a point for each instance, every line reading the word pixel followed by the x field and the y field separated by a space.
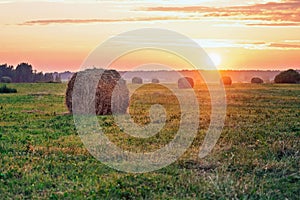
pixel 185 83
pixel 155 81
pixel 109 85
pixel 137 80
pixel 5 79
pixel 257 80
pixel 226 80
pixel 289 76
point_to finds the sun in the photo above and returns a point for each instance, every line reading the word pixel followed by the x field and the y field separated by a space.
pixel 216 58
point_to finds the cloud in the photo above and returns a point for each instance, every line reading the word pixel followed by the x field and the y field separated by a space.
pixel 285 46
pixel 248 44
pixel 87 21
pixel 285 13
pixel 274 24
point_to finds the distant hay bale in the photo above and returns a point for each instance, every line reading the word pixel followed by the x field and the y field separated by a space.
pixel 257 80
pixel 226 80
pixel 109 85
pixel 289 76
pixel 155 80
pixel 5 79
pixel 137 80
pixel 185 83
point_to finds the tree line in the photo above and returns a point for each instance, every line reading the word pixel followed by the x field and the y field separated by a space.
pixel 24 73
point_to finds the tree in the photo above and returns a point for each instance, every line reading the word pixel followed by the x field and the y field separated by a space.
pixel 48 77
pixel 7 71
pixel 57 78
pixel 24 73
pixel 289 76
pixel 38 77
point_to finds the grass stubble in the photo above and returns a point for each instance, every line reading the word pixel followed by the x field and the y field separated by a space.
pixel 256 157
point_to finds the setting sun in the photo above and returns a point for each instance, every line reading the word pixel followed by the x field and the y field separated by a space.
pixel 216 58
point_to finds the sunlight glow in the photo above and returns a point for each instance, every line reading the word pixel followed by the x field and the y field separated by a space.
pixel 216 58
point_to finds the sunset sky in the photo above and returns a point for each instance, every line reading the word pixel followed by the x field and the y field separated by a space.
pixel 58 35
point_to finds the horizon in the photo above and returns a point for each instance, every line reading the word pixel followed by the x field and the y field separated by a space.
pixel 158 70
pixel 58 36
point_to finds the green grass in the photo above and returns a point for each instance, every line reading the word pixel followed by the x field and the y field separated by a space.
pixel 257 156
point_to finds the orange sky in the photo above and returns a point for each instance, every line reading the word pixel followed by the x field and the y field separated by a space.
pixel 58 35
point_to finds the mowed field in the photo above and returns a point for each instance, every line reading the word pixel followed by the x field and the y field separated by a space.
pixel 256 157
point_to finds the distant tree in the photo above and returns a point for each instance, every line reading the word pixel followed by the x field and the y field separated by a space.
pixel 257 80
pixel 8 71
pixel 289 76
pixel 57 78
pixel 48 77
pixel 5 79
pixel 24 73
pixel 226 80
pixel 38 77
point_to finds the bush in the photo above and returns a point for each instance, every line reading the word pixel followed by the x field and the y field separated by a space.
pixel 289 76
pixel 257 80
pixel 5 79
pixel 226 80
pixel 5 89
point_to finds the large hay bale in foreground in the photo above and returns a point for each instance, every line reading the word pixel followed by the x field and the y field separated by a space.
pixel 185 83
pixel 137 80
pixel 109 85
pixel 226 80
pixel 257 80
pixel 155 80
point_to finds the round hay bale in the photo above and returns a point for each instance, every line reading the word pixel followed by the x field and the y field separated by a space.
pixel 155 81
pixel 226 80
pixel 5 79
pixel 137 80
pixel 257 80
pixel 289 76
pixel 109 85
pixel 185 83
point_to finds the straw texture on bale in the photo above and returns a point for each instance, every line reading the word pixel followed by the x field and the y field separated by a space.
pixel 185 83
pixel 137 80
pixel 111 95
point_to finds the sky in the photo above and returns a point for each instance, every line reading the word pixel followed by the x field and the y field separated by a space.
pixel 57 35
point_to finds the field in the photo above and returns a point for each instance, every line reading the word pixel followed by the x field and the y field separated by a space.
pixel 257 156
